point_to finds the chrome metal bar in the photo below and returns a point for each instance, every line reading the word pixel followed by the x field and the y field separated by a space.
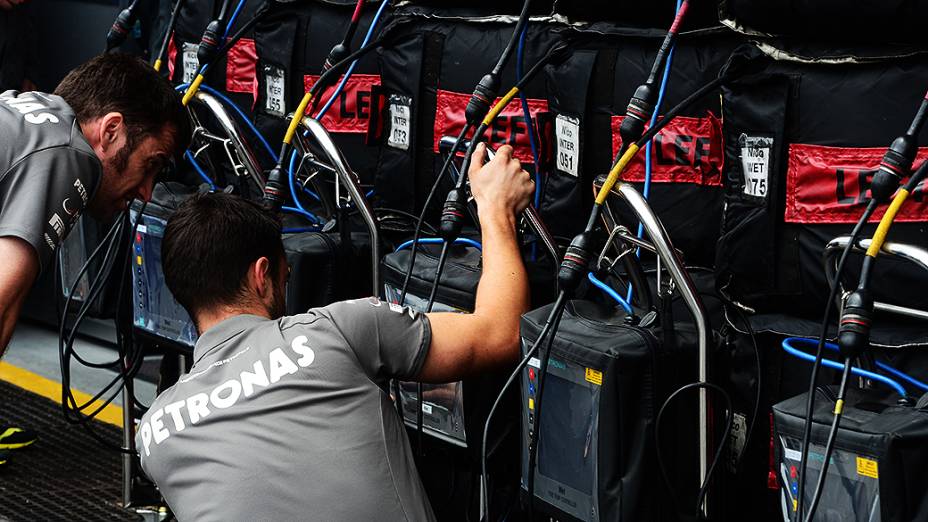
pixel 902 251
pixel 350 180
pixel 674 265
pixel 541 230
pixel 231 129
pixel 128 442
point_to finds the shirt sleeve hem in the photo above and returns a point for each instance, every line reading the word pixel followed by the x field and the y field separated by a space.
pixel 28 237
pixel 424 346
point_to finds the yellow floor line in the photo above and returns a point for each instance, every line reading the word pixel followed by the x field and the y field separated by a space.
pixel 111 414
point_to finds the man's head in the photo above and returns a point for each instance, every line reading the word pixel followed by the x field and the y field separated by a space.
pixel 222 255
pixel 134 121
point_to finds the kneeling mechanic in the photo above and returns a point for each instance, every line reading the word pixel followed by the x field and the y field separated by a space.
pixel 290 418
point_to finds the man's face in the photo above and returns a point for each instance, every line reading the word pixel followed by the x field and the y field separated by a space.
pixel 130 174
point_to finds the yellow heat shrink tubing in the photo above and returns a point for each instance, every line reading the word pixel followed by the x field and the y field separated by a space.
pixel 879 237
pixel 615 173
pixel 158 65
pixel 192 90
pixel 498 108
pixel 297 117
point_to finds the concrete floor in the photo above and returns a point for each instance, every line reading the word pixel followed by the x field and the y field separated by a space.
pixel 35 348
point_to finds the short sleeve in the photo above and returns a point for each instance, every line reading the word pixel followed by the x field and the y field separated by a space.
pixel 390 341
pixel 43 195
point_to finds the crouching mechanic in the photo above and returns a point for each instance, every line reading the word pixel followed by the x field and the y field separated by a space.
pixel 96 143
pixel 289 418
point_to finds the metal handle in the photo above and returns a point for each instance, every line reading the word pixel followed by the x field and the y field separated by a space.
pixel 349 179
pixel 233 136
pixel 666 253
pixel 530 214
pixel 905 252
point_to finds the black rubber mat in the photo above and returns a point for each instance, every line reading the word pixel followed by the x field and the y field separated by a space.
pixel 66 475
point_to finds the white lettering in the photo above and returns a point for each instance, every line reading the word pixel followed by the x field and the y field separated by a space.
pixel 281 365
pixel 145 432
pixel 250 379
pixel 196 407
pixel 81 190
pixel 157 427
pixel 299 346
pixel 235 389
pixel 174 410
pixel 40 118
pixel 48 240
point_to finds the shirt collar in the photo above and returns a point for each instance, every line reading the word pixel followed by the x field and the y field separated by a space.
pixel 224 331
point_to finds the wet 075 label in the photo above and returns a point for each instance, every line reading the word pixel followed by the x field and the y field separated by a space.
pixel 755 163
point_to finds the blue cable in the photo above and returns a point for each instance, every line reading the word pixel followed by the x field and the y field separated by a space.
pixel 299 230
pixel 530 128
pixel 438 241
pixel 341 85
pixel 610 292
pixel 904 376
pixel 325 108
pixel 238 9
pixel 301 212
pixel 788 346
pixel 650 145
pixel 528 116
pixel 199 169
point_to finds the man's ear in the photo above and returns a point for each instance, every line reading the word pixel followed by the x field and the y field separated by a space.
pixel 112 132
pixel 259 277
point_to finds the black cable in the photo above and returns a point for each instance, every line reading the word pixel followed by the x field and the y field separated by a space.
pixel 553 317
pixel 425 207
pixel 534 436
pixel 830 445
pixel 819 349
pixel 168 30
pixel 428 309
pixel 758 387
pixel 718 452
pixel 511 46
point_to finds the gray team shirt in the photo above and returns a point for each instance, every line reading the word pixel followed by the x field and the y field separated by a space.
pixel 291 419
pixel 48 171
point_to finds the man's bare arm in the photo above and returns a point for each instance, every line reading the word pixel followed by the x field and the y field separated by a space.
pixel 18 271
pixel 466 344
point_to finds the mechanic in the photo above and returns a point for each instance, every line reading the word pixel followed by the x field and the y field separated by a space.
pixel 290 418
pixel 98 142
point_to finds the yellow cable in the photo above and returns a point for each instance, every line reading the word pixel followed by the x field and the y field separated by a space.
pixel 879 237
pixel 297 117
pixel 498 108
pixel 839 407
pixel 615 172
pixel 192 90
pixel 158 65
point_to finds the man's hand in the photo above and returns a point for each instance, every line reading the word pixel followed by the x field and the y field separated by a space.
pixel 7 5
pixel 500 186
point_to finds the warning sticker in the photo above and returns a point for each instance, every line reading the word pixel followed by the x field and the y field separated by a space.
pixel 867 467
pixel 594 376
pixel 567 131
pixel 755 163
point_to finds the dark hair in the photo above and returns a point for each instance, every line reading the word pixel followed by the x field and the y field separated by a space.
pixel 209 244
pixel 122 83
